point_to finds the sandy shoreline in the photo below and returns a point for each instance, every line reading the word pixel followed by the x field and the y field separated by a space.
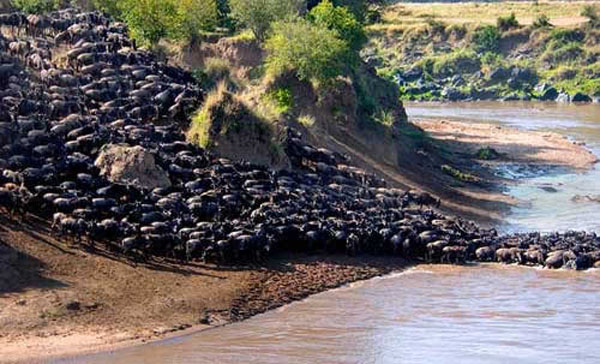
pixel 65 302
pixel 515 146
pixel 57 300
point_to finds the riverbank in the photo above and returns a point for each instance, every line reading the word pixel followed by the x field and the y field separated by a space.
pixel 494 144
pixel 505 51
pixel 58 300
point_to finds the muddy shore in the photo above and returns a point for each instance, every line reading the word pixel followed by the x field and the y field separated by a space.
pixel 57 300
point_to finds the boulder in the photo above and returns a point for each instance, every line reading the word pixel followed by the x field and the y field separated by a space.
pixel 523 75
pixel 563 97
pixel 549 94
pixel 453 94
pixel 498 75
pixel 121 163
pixel 484 94
pixel 511 97
pixel 513 83
pixel 413 74
pixel 581 97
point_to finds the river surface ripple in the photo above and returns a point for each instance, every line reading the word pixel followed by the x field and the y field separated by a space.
pixel 428 314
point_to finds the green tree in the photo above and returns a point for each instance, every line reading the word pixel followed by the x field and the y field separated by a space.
pixel 35 6
pixel 340 20
pixel 360 8
pixel 258 15
pixel 194 17
pixel 310 51
pixel 151 20
pixel 110 7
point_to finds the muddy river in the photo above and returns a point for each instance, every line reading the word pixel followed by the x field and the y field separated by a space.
pixel 439 314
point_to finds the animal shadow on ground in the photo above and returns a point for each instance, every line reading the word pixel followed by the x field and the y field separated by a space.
pixel 20 271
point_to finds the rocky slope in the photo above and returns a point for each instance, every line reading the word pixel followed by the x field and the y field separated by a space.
pixel 436 61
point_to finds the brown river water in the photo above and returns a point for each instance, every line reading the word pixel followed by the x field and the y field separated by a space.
pixel 438 314
pixel 428 314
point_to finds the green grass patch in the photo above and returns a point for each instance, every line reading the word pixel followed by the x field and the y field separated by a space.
pixel 487 154
pixel 457 62
pixel 566 53
pixel 282 98
pixel 459 175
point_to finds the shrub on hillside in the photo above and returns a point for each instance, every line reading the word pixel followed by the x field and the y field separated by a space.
pixel 258 15
pixel 565 53
pixel 194 17
pixel 282 98
pixel 486 39
pixel 542 21
pixel 151 20
pixel 310 51
pixel 505 23
pixel 590 12
pixel 458 62
pixel 562 36
pixel 340 20
pixel 35 6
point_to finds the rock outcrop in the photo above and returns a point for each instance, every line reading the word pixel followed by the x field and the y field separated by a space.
pixel 121 163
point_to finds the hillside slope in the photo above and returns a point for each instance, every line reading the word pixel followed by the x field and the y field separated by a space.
pixel 361 117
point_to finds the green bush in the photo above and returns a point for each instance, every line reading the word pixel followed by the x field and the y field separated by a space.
pixel 258 15
pixel 151 20
pixel 283 99
pixel 542 21
pixel 486 39
pixel 35 6
pixel 194 17
pixel 492 59
pixel 457 62
pixel 590 12
pixel 310 51
pixel 563 36
pixel 340 20
pixel 505 23
pixel 566 53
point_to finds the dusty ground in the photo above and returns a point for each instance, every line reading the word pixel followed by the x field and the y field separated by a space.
pixel 57 299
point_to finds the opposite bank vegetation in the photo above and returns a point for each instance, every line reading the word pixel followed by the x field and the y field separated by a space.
pixel 460 52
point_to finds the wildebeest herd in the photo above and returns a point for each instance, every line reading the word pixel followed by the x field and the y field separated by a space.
pixel 73 82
